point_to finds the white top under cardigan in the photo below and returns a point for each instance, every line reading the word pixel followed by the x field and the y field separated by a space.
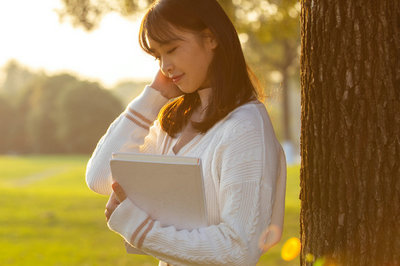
pixel 244 171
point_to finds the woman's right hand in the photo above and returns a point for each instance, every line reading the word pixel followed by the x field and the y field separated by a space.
pixel 112 204
pixel 165 86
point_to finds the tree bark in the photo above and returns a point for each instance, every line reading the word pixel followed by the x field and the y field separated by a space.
pixel 350 134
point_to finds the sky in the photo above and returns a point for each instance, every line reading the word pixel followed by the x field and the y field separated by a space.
pixel 31 33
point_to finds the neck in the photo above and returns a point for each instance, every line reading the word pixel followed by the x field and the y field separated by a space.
pixel 204 94
pixel 198 114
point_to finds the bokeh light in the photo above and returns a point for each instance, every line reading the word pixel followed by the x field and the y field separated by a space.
pixel 325 261
pixel 319 262
pixel 309 257
pixel 291 249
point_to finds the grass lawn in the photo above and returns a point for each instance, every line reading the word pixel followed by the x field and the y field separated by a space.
pixel 49 216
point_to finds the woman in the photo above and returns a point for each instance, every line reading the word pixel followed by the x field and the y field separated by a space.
pixel 205 98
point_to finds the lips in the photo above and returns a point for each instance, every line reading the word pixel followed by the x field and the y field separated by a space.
pixel 175 79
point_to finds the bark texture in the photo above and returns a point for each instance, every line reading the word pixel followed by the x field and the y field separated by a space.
pixel 350 135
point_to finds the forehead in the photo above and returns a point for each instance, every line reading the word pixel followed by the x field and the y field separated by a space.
pixel 157 38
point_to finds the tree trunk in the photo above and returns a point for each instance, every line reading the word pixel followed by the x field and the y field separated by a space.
pixel 350 170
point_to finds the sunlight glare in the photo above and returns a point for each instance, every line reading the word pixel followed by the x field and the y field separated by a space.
pixel 291 249
pixel 31 34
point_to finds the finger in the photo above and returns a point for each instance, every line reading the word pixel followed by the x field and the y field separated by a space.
pixel 119 192
pixel 112 202
pixel 107 214
pixel 111 205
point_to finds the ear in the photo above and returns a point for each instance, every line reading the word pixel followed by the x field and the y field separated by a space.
pixel 209 39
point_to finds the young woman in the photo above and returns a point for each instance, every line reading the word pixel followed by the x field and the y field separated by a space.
pixel 207 105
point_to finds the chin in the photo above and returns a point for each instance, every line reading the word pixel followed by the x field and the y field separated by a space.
pixel 186 90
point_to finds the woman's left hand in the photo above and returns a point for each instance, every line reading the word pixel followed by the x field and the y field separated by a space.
pixel 117 196
pixel 269 237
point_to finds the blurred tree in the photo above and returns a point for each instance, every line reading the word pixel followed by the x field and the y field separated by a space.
pixel 7 120
pixel 126 91
pixel 41 119
pixel 16 78
pixel 84 113
pixel 269 31
pixel 55 114
pixel 19 142
pixel 350 172
pixel 88 13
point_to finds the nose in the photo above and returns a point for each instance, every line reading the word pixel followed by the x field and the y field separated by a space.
pixel 166 66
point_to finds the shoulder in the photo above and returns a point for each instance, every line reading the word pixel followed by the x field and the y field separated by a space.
pixel 250 110
pixel 249 121
pixel 247 117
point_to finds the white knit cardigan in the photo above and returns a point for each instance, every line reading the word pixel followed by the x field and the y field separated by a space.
pixel 244 170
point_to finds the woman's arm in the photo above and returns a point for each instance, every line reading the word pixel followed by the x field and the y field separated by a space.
pixel 245 209
pixel 126 133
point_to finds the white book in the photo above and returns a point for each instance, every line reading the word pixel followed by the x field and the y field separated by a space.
pixel 168 188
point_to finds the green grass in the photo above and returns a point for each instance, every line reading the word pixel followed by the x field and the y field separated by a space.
pixel 48 216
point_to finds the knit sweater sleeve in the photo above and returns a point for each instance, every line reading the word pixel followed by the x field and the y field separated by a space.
pixel 132 131
pixel 234 241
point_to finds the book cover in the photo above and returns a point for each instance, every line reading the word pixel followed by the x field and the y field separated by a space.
pixel 169 188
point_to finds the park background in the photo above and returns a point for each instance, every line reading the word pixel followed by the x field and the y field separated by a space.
pixel 62 83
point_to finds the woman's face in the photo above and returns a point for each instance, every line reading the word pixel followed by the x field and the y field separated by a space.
pixel 186 60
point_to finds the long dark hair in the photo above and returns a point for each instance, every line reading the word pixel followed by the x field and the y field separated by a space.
pixel 231 80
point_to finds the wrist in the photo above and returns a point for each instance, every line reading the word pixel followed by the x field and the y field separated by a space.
pixel 160 89
pixel 128 221
pixel 149 103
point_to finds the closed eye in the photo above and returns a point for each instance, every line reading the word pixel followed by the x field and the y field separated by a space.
pixel 168 52
pixel 172 50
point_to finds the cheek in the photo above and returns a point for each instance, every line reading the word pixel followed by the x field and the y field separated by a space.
pixel 194 62
pixel 202 61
